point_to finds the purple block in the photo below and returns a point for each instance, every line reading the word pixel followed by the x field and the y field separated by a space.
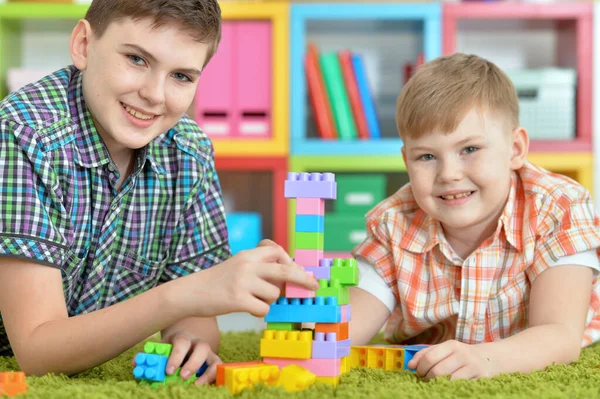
pixel 319 272
pixel 326 262
pixel 346 313
pixel 328 347
pixel 310 185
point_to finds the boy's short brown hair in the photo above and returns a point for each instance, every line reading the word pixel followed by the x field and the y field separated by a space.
pixel 202 18
pixel 444 90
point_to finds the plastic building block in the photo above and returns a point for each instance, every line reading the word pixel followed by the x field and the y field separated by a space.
pixel 310 185
pixel 346 313
pixel 340 329
pixel 170 379
pixel 319 367
pixel 334 288
pixel 310 224
pixel 286 344
pixel 334 381
pixel 358 356
pixel 310 240
pixel 244 230
pixel 308 257
pixel 238 378
pixel 12 383
pixel 150 367
pixel 220 381
pixel 409 353
pixel 310 206
pixel 385 358
pixel 295 378
pixel 284 326
pixel 158 348
pixel 308 310
pixel 326 346
pixel 202 369
pixel 295 291
pixel 320 273
pixel 345 271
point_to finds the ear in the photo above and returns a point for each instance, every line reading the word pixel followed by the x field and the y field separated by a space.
pixel 404 155
pixel 80 39
pixel 519 148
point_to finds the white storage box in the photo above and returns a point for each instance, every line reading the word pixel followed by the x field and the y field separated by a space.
pixel 546 102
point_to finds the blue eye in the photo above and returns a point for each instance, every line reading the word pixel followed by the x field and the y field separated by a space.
pixel 426 157
pixel 136 60
pixel 470 149
pixel 181 77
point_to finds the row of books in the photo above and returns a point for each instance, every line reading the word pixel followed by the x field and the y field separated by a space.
pixel 340 96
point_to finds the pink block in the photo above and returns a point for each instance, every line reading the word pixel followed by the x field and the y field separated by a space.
pixel 310 206
pixel 319 367
pixel 254 65
pixel 308 257
pixel 346 313
pixel 214 97
pixel 295 291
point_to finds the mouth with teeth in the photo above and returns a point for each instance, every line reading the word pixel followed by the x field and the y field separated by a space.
pixel 456 196
pixel 137 114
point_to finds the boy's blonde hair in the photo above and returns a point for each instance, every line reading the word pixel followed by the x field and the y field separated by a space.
pixel 444 90
pixel 202 18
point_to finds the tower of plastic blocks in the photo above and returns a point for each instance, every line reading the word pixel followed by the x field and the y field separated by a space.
pixel 323 351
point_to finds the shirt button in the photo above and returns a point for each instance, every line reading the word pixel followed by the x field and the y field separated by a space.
pixel 98 268
pixel 114 206
pixel 111 167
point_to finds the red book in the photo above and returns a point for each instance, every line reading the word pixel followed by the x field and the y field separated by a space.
pixel 317 93
pixel 354 95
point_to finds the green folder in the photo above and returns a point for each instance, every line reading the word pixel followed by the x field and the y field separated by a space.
pixel 334 80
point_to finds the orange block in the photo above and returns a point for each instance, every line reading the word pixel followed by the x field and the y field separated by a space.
pixel 221 369
pixel 340 329
pixel 12 383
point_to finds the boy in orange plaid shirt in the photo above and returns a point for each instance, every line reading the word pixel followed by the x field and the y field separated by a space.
pixel 489 258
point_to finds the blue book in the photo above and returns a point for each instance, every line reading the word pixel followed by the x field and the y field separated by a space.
pixel 366 96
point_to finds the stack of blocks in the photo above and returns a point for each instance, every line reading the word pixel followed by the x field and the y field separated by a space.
pixel 323 352
pixel 150 366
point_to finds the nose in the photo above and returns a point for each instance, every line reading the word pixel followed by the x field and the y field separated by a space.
pixel 153 90
pixel 450 170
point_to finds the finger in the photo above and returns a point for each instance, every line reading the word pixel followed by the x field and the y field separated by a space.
pixel 271 253
pixel 432 357
pixel 210 375
pixel 255 306
pixel 198 356
pixel 265 291
pixel 181 347
pixel 279 274
pixel 414 362
pixel 446 366
pixel 266 242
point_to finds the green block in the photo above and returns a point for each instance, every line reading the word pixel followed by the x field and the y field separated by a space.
pixel 309 240
pixel 334 288
pixel 170 379
pixel 158 348
pixel 284 326
pixel 345 271
pixel 344 232
pixel 358 194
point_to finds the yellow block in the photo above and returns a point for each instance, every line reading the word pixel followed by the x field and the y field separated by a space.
pixel 242 377
pixel 295 378
pixel 335 381
pixel 286 344
pixel 385 358
pixel 358 356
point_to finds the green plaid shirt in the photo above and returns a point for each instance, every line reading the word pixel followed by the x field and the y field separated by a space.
pixel 59 205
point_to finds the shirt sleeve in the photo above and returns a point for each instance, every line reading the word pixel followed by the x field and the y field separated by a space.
pixel 369 280
pixel 568 226
pixel 201 239
pixel 33 220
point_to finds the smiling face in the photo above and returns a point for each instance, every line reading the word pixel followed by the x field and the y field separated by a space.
pixel 138 80
pixel 463 178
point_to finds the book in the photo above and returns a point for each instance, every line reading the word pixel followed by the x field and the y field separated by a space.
pixel 353 94
pixel 366 96
pixel 318 96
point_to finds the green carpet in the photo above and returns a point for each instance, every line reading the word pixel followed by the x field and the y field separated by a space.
pixel 114 380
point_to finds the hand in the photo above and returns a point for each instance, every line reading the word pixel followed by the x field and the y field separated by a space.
pixel 197 352
pixel 248 282
pixel 451 358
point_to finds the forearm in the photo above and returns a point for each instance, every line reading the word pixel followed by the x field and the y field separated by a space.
pixel 205 328
pixel 368 316
pixel 75 344
pixel 533 349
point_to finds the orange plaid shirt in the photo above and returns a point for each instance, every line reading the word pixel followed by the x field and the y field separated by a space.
pixel 484 297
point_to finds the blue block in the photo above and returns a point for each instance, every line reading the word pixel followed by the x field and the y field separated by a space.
pixel 307 310
pixel 409 353
pixel 310 224
pixel 202 370
pixel 150 367
pixel 245 231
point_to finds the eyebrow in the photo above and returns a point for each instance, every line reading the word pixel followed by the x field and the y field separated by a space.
pixel 148 55
pixel 462 142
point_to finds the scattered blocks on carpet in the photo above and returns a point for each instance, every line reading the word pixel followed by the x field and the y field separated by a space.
pixel 12 383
